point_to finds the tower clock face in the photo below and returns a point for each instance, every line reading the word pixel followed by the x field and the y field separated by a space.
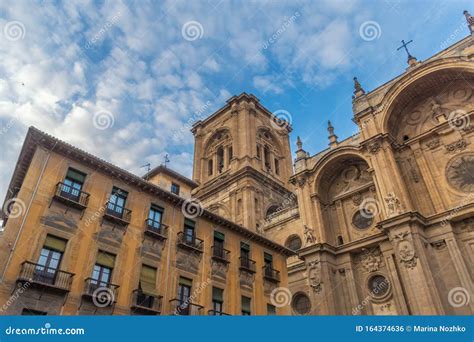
pixel 460 172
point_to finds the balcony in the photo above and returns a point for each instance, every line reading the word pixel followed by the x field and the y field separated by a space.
pixel 147 304
pixel 220 254
pixel 191 242
pixel 102 293
pixel 156 229
pixel 117 214
pixel 271 274
pixel 247 264
pixel 71 196
pixel 217 313
pixel 182 308
pixel 45 277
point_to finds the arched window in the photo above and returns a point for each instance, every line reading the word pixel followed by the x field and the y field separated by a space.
pixel 340 240
pixel 266 157
pixel 272 210
pixel 209 167
pixel 220 159
pixel 293 243
pixel 301 304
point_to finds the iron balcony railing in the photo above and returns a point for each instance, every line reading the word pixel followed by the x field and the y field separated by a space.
pixel 247 264
pixel 156 229
pixel 116 213
pixel 46 276
pixel 220 253
pixel 105 293
pixel 185 308
pixel 192 241
pixel 71 196
pixel 271 274
pixel 146 302
pixel 217 313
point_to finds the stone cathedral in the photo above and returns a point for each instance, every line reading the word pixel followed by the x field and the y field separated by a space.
pixel 382 222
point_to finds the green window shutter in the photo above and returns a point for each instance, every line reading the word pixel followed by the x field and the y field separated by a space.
pixel 190 223
pixel 76 175
pixel 148 279
pixel 219 235
pixel 244 246
pixel 267 257
pixel 217 294
pixel 185 281
pixel 246 303
pixel 105 259
pixel 53 242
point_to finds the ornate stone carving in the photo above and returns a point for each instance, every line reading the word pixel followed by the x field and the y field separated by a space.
pixel 309 236
pixel 374 147
pixel 405 250
pixel 456 146
pixel 314 276
pixel 246 279
pixel 438 245
pixel 394 206
pixel 432 144
pixel 460 172
pixel 371 259
pixel 219 269
pixel 357 198
pixel 188 261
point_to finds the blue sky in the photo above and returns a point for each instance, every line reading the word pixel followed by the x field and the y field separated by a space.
pixel 124 79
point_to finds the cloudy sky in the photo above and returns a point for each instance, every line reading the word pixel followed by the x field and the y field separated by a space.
pixel 124 79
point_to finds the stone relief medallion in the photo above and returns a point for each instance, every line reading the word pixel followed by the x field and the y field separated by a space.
pixel 460 172
pixel 371 259
pixel 314 276
pixel 406 251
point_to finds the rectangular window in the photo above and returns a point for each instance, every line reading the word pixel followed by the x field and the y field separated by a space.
pixel 102 272
pixel 277 166
pixel 217 300
pixel 219 244
pixel 244 253
pixel 154 217
pixel 189 231
pixel 184 294
pixel 117 201
pixel 49 259
pixel 245 303
pixel 31 312
pixel 209 167
pixel 175 188
pixel 268 260
pixel 271 310
pixel 72 184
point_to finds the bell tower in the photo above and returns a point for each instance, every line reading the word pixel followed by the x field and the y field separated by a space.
pixel 242 162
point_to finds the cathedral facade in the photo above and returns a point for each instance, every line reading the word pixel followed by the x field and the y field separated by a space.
pixel 382 222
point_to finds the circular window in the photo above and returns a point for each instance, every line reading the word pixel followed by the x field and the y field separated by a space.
pixel 301 304
pixel 460 172
pixel 362 220
pixel 293 243
pixel 378 286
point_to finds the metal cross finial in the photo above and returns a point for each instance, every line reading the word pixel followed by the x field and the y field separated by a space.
pixel 404 46
pixel 167 160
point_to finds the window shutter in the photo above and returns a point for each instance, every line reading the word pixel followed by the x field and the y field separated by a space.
pixel 76 175
pixel 148 279
pixel 190 223
pixel 245 246
pixel 217 294
pixel 185 281
pixel 53 242
pixel 219 235
pixel 105 259
pixel 246 304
